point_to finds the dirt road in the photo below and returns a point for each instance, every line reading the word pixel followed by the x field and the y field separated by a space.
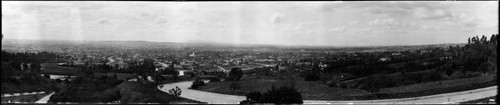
pixel 456 97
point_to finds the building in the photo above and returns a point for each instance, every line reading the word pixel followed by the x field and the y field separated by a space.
pixel 385 59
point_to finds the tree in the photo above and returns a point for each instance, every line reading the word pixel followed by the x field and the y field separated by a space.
pixel 175 74
pixel 282 95
pixel 235 74
pixel 197 84
pixel 175 91
pixel 254 97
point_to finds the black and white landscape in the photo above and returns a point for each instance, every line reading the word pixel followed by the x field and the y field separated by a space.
pixel 305 52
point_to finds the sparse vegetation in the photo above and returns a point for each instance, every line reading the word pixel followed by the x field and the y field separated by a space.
pixel 175 91
pixel 282 95
pixel 197 83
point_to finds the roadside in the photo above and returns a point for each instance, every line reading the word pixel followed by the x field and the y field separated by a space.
pixel 455 97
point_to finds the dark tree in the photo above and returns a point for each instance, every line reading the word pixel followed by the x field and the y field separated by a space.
pixel 235 74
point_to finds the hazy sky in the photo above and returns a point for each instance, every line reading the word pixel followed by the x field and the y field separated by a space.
pixel 281 23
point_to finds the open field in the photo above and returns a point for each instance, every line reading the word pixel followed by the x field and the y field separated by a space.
pixel 17 86
pixel 52 68
pixel 454 97
pixel 121 76
pixel 436 84
pixel 316 91
pixel 309 90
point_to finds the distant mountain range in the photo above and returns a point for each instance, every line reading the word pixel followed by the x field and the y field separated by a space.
pixel 199 44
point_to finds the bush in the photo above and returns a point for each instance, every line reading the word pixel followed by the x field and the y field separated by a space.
pixel 78 80
pixel 373 84
pixel 434 77
pixel 197 83
pixel 283 95
pixel 235 74
pixel 235 86
pixel 254 97
pixel 333 84
pixel 58 80
pixel 215 79
pixel 46 76
pixel 343 85
pixel 311 78
pixel 175 91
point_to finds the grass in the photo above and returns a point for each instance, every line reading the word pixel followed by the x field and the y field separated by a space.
pixel 92 89
pixel 309 90
pixel 316 91
pixel 16 86
pixel 121 76
pixel 52 68
pixel 433 88
pixel 436 84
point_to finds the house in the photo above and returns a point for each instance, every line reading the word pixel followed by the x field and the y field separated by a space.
pixel 396 54
pixel 384 59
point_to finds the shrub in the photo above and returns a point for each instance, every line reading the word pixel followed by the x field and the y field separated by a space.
pixel 373 84
pixel 343 85
pixel 216 79
pixel 311 77
pixel 235 74
pixel 78 80
pixel 235 86
pixel 435 77
pixel 254 97
pixel 175 91
pixel 333 84
pixel 46 76
pixel 58 80
pixel 197 83
pixel 282 95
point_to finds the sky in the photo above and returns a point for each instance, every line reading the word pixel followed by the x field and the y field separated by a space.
pixel 325 23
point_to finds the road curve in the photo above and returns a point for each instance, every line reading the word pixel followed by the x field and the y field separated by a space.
pixel 210 98
pixel 45 99
pixel 455 97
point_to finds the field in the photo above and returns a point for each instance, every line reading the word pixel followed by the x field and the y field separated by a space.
pixel 121 76
pixel 436 84
pixel 16 86
pixel 52 68
pixel 309 90
pixel 89 89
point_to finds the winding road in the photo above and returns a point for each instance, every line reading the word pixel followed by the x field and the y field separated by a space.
pixel 45 99
pixel 447 98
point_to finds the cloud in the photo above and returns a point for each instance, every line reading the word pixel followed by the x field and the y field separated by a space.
pixel 336 29
pixel 430 27
pixel 277 18
pixel 364 29
pixel 389 22
pixel 161 20
pixel 438 14
pixel 104 21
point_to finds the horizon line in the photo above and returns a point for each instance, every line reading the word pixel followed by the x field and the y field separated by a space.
pixel 237 44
